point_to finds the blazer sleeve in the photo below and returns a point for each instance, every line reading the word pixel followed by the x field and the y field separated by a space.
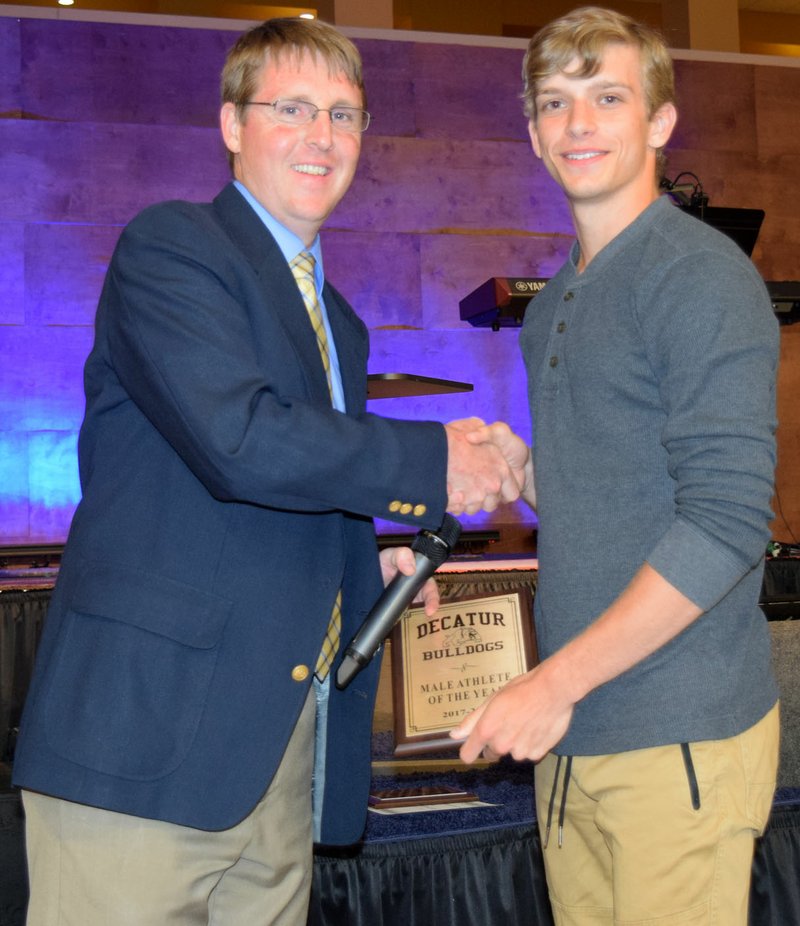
pixel 219 356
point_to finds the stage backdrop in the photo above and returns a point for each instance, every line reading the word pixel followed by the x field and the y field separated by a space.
pixel 101 118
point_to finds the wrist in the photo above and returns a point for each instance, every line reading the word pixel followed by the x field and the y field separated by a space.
pixel 566 675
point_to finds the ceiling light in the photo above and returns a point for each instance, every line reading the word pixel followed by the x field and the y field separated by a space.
pixel 66 2
pixel 302 15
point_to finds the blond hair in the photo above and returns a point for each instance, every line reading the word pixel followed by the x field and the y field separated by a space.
pixel 584 34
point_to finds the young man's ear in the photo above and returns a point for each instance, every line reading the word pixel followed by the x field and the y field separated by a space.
pixel 229 125
pixel 662 124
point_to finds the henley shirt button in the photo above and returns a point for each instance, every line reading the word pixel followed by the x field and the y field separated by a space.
pixel 568 295
pixel 554 361
pixel 300 673
pixel 561 327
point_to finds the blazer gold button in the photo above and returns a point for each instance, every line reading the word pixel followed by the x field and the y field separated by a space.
pixel 405 508
pixel 394 506
pixel 419 510
pixel 300 673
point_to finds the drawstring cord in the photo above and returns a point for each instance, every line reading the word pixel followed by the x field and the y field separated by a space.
pixel 562 808
pixel 563 804
pixel 552 803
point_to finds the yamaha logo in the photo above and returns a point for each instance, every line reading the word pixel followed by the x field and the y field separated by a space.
pixel 529 286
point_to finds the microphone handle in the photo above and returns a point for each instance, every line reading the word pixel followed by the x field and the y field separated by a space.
pixel 430 551
pixel 396 597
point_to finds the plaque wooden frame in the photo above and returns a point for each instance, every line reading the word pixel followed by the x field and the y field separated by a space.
pixel 445 666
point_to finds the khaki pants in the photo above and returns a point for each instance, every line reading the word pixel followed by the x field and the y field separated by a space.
pixel 92 867
pixel 634 849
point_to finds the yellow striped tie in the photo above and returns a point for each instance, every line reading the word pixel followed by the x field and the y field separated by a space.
pixel 303 269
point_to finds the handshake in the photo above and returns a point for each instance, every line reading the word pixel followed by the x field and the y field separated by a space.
pixel 487 464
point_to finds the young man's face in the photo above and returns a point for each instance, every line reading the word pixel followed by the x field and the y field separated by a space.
pixel 298 173
pixel 594 134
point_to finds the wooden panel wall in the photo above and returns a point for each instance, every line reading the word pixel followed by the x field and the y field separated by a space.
pixel 97 120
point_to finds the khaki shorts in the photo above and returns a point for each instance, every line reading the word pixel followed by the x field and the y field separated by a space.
pixel 635 846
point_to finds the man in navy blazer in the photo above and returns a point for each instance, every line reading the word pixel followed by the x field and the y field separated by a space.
pixel 167 749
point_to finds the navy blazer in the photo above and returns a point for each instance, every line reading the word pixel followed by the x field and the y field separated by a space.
pixel 224 504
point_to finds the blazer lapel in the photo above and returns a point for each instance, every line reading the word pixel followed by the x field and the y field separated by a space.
pixel 281 295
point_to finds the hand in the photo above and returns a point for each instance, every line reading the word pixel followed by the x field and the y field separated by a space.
pixel 478 475
pixel 402 559
pixel 525 719
pixel 516 452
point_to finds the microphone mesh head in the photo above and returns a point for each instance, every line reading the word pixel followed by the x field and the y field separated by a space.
pixel 450 531
pixel 438 546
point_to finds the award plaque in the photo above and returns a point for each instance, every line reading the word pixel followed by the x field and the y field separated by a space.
pixel 445 666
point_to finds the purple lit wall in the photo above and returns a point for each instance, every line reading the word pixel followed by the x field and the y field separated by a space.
pixel 98 120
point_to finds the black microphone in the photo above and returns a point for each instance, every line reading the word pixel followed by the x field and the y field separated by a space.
pixel 431 550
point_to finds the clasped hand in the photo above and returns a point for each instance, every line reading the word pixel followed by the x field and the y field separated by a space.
pixel 487 465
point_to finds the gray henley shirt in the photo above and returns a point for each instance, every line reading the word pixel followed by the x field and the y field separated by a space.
pixel 651 379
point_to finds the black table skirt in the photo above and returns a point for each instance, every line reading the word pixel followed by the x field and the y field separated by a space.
pixel 480 878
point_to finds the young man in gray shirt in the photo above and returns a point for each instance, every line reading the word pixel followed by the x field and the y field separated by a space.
pixel 651 360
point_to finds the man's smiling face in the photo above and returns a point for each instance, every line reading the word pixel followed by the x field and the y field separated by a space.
pixel 594 133
pixel 298 173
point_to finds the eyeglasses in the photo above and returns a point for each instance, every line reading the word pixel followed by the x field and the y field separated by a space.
pixel 299 112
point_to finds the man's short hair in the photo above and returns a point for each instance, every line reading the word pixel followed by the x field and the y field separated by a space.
pixel 282 39
pixel 584 34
